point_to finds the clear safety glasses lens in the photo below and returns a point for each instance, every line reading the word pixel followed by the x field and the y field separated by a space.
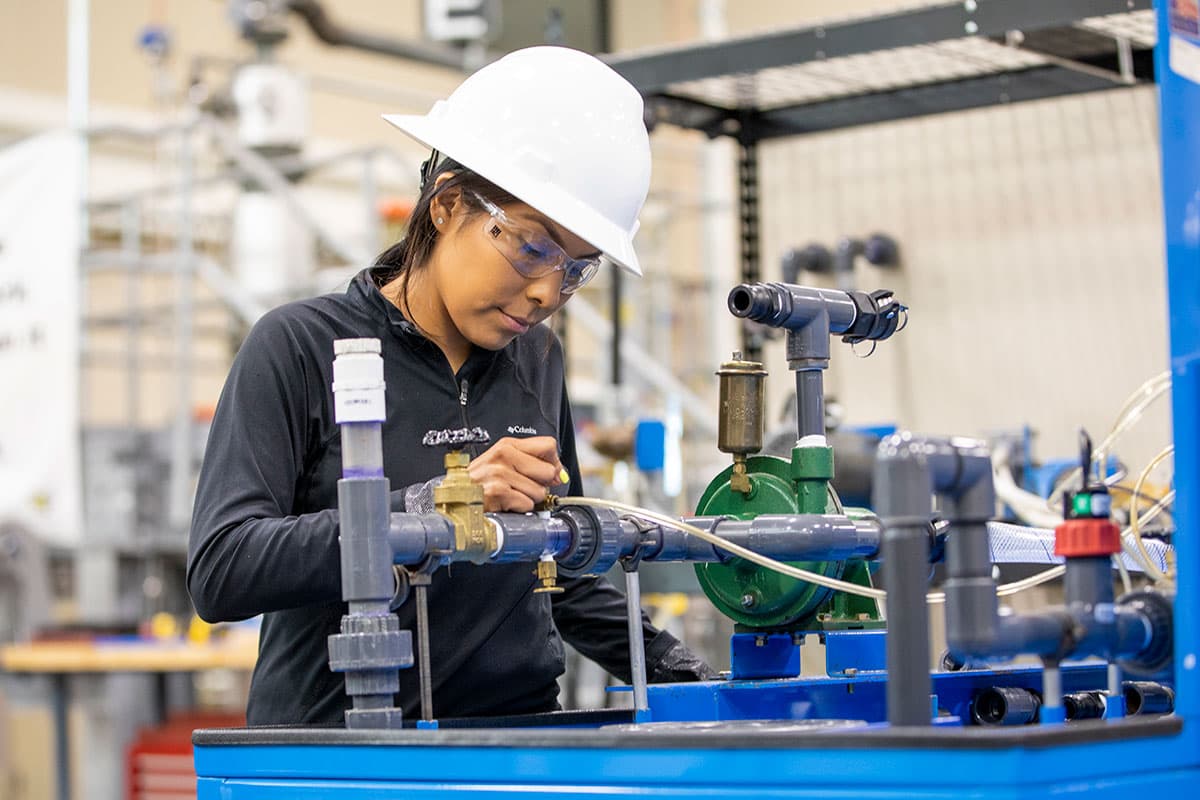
pixel 534 254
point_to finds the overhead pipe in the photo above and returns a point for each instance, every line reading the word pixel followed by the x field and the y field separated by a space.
pixel 331 33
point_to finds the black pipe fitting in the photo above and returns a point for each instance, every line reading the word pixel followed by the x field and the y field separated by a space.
pixel 1146 698
pixel 1083 705
pixel 1005 705
pixel 1156 610
pixel 879 316
pixel 595 540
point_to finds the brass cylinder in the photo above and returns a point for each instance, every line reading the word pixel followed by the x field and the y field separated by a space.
pixel 740 422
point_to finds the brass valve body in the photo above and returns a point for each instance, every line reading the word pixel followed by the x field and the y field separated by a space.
pixel 461 500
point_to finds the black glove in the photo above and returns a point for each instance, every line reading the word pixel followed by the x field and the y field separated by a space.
pixel 680 665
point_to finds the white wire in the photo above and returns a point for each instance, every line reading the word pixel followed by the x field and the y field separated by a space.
pixel 786 569
pixel 736 549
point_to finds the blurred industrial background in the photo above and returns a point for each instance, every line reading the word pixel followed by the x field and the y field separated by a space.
pixel 196 163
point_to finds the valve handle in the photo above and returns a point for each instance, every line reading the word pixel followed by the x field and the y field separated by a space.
pixel 1085 456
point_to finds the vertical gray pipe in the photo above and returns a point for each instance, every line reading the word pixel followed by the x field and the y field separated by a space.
pixel 903 498
pixel 370 648
pixel 424 669
pixel 905 558
pixel 971 604
pixel 1052 692
pixel 810 403
pixel 637 645
pixel 1088 581
pixel 1087 586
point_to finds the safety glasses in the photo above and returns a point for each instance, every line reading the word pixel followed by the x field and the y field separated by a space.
pixel 535 254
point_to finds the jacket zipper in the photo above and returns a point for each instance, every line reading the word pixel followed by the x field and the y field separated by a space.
pixel 463 386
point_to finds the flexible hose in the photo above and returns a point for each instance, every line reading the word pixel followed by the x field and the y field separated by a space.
pixel 1127 417
pixel 1134 521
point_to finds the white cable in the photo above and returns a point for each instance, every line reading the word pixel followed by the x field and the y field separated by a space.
pixel 786 569
pixel 736 549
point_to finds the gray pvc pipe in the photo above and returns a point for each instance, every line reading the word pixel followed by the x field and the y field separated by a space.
pixel 784 537
pixel 526 537
pixel 413 536
pixel 905 557
pixel 810 402
pixel 786 305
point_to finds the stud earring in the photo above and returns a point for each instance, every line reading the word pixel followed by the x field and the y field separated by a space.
pixel 440 220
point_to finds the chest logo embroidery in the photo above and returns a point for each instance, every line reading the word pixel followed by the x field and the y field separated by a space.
pixel 522 429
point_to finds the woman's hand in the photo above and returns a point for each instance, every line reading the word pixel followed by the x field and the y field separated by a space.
pixel 517 473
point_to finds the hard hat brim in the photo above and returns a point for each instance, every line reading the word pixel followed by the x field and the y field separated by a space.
pixel 541 195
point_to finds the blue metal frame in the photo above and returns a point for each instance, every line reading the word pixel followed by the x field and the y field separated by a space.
pixel 1180 130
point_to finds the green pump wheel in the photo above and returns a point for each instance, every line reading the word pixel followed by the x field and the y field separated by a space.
pixel 748 594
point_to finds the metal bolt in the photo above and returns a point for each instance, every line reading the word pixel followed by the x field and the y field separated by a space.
pixel 970 6
pixel 760 641
pixel 972 27
pixel 819 33
pixel 798 639
pixel 749 601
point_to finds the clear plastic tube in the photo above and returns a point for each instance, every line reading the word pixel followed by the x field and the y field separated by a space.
pixel 1134 517
pixel 1127 417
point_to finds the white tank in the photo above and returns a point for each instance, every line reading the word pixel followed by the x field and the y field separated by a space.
pixel 273 255
pixel 272 108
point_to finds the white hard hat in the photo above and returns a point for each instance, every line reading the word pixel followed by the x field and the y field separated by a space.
pixel 561 131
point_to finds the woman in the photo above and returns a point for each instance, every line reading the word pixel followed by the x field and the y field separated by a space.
pixel 540 167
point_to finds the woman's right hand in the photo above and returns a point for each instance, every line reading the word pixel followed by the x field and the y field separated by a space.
pixel 517 473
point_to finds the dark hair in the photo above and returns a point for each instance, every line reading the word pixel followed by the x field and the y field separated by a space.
pixel 411 252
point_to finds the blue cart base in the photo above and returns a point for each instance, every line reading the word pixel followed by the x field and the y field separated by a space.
pixel 717 740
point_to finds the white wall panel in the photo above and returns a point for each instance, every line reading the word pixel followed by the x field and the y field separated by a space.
pixel 1032 259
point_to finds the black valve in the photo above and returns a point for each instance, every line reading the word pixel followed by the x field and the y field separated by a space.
pixel 879 316
pixel 1092 501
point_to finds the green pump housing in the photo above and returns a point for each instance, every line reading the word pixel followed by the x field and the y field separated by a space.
pixel 759 599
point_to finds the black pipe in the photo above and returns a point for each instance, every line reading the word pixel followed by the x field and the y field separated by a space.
pixel 615 349
pixel 1146 697
pixel 1083 705
pixel 1005 705
pixel 331 33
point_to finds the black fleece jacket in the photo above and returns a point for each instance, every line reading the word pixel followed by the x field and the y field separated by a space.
pixel 264 537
